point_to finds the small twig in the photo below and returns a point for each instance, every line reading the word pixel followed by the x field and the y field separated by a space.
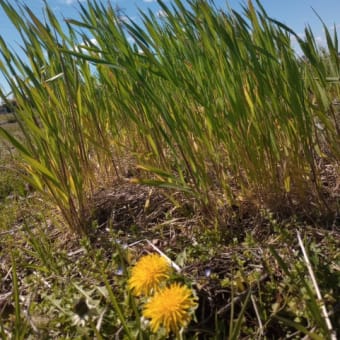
pixel 117 334
pixel 100 319
pixel 234 300
pixel 316 287
pixel 3 298
pixel 135 243
pixel 257 314
pixel 8 274
pixel 28 314
pixel 307 337
pixel 292 335
pixel 11 231
pixel 173 264
pixel 75 252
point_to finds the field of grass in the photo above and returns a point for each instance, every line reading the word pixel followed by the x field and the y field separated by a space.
pixel 206 140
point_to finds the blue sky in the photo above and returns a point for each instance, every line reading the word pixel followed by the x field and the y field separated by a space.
pixel 294 13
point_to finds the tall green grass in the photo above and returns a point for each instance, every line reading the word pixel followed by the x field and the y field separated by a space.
pixel 202 100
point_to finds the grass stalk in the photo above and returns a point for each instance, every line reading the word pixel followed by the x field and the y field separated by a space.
pixel 316 288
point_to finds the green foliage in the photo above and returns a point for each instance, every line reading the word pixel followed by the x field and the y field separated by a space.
pixel 202 99
pixel 214 104
pixel 303 310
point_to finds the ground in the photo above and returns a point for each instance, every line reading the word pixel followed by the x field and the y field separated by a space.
pixel 247 263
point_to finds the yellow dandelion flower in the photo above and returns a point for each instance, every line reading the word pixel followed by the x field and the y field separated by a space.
pixel 171 307
pixel 148 273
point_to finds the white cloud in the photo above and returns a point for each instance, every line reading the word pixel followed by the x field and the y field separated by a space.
pixel 94 41
pixel 124 18
pixel 320 41
pixel 336 26
pixel 83 47
pixel 294 39
pixel 71 2
pixel 161 14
